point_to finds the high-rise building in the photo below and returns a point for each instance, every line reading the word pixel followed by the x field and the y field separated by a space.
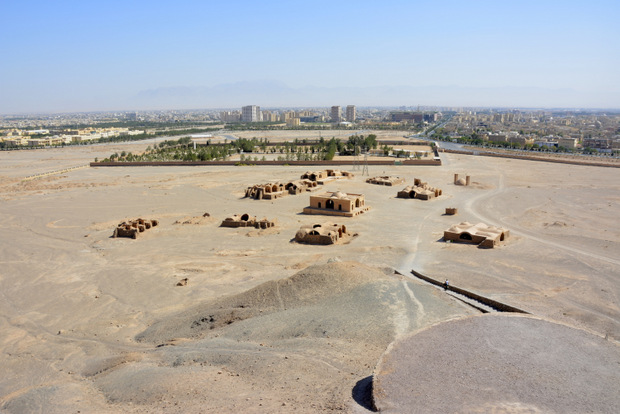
pixel 251 113
pixel 336 114
pixel 351 113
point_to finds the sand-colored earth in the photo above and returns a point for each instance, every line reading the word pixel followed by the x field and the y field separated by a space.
pixel 95 324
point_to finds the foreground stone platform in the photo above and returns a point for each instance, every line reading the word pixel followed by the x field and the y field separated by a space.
pixel 499 363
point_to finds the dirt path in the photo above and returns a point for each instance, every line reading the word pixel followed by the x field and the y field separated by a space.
pixel 476 206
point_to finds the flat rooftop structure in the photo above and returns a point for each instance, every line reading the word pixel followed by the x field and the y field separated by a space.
pixel 245 220
pixel 480 234
pixel 420 190
pixel 337 203
pixel 269 191
pixel 386 180
pixel 323 176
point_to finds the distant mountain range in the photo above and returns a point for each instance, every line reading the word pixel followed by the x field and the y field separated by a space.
pixel 277 94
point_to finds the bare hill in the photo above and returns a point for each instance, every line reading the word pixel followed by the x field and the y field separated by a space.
pixel 319 331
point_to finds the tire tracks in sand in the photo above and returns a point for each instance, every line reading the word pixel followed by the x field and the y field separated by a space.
pixel 473 206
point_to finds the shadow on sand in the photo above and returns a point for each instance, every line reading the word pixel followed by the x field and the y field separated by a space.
pixel 362 394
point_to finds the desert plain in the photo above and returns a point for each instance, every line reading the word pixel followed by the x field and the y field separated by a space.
pixel 93 324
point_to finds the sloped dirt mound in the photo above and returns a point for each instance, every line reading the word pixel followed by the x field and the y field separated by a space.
pixel 311 285
pixel 297 344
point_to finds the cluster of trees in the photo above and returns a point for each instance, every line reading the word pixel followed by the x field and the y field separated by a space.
pixel 176 150
pixel 474 139
pixel 355 145
pixel 249 145
pixel 358 144
pixel 182 149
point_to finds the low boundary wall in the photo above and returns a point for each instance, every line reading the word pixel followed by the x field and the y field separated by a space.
pixel 484 300
pixel 531 158
pixel 392 161
pixel 64 170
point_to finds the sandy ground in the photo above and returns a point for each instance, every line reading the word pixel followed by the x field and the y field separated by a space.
pixel 95 324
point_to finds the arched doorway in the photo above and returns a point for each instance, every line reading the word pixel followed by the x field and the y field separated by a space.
pixel 465 236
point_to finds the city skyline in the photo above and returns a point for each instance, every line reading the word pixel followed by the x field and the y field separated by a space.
pixel 84 57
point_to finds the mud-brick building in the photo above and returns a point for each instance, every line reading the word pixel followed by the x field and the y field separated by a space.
pixel 385 180
pixel 269 191
pixel 245 220
pixel 480 234
pixel 337 204
pixel 321 233
pixel 419 190
pixel 324 176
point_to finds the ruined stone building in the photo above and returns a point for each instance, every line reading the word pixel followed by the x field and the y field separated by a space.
pixel 131 228
pixel 273 191
pixel 300 186
pixel 325 175
pixel 269 191
pixel 245 220
pixel 336 204
pixel 419 190
pixel 323 233
pixel 480 234
pixel 461 181
pixel 385 180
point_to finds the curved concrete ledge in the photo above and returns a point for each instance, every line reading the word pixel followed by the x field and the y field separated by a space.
pixel 498 363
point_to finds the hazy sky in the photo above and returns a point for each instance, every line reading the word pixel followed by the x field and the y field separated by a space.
pixel 86 55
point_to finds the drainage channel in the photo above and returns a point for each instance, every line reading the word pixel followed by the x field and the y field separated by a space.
pixel 471 302
pixel 482 303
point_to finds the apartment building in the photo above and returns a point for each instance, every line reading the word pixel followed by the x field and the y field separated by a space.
pixel 336 114
pixel 351 113
pixel 251 113
pixel 230 116
pixel 269 116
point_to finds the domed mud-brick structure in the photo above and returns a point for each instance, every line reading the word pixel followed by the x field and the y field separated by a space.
pixel 337 203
